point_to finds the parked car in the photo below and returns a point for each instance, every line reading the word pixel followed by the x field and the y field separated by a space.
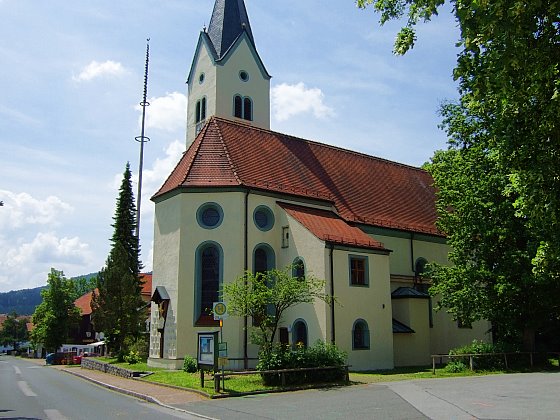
pixel 60 358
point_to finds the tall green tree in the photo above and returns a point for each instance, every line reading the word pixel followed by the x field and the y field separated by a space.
pixel 13 331
pixel 491 276
pixel 117 306
pixel 265 297
pixel 56 316
pixel 509 82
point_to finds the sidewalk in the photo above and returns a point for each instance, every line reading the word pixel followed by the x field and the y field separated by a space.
pixel 151 392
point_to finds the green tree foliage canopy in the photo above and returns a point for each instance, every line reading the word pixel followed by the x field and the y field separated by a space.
pixel 265 297
pixel 508 73
pixel 117 307
pixel 509 81
pixel 492 276
pixel 13 331
pixel 56 316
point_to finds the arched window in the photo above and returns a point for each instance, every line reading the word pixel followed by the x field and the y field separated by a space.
pixel 237 106
pixel 420 266
pixel 360 335
pixel 200 112
pixel 243 107
pixel 298 269
pixel 263 258
pixel 209 278
pixel 203 109
pixel 247 109
pixel 299 333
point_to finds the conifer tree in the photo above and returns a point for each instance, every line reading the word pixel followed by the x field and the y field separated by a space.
pixel 117 303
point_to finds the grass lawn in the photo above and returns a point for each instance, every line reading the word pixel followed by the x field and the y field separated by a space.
pixel 234 384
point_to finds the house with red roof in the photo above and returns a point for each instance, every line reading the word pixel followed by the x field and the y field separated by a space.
pixel 86 333
pixel 243 197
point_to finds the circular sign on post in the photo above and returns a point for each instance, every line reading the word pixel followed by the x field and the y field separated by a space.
pixel 220 310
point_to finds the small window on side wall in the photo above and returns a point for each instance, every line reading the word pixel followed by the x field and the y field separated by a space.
pixel 298 269
pixel 360 335
pixel 299 333
pixel 358 270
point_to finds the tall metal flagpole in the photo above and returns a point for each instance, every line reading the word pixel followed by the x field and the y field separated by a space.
pixel 142 139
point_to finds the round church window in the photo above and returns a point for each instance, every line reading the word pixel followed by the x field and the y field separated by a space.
pixel 210 215
pixel 263 217
pixel 243 75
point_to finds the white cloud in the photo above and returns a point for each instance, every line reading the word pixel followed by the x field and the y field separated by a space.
pixel 289 100
pixel 166 112
pixel 29 244
pixel 28 263
pixel 152 179
pixel 22 209
pixel 95 69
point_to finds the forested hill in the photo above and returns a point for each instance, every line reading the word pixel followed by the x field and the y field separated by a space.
pixel 22 301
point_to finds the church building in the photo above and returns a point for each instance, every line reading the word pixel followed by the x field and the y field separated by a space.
pixel 243 197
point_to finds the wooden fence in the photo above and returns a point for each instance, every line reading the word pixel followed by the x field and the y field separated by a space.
pixel 282 372
pixel 472 356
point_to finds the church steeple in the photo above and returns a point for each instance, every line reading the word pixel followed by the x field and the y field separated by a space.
pixel 229 20
pixel 227 76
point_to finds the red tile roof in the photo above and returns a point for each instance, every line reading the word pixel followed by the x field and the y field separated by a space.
pixel 147 286
pixel 364 189
pixel 84 302
pixel 29 325
pixel 328 227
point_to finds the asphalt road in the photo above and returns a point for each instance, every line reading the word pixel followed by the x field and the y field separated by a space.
pixel 515 396
pixel 30 391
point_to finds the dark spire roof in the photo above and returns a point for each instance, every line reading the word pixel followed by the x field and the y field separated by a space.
pixel 228 21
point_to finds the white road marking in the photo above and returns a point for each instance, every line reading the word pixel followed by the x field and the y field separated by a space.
pixel 54 415
pixel 18 370
pixel 25 389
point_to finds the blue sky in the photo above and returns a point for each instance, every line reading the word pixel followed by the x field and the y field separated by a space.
pixel 71 76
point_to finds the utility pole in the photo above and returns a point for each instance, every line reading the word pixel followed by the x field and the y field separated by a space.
pixel 142 139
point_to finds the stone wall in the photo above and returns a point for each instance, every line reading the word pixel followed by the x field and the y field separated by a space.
pixel 88 363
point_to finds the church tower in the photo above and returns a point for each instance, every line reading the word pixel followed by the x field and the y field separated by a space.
pixel 227 77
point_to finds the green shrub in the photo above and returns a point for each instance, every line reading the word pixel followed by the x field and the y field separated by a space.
pixel 141 346
pixel 455 366
pixel 132 357
pixel 319 355
pixel 480 347
pixel 190 365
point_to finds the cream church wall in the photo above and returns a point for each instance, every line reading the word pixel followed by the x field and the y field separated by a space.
pixel 412 349
pixel 447 335
pixel 372 304
pixel 196 90
pixel 310 249
pixel 229 84
pixel 403 257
